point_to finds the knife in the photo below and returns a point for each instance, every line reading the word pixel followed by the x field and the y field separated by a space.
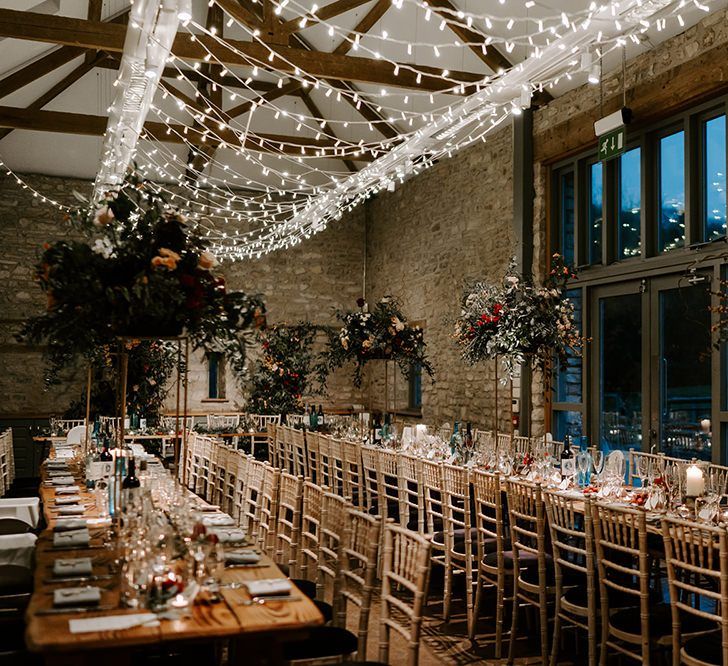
pixel 74 609
pixel 76 579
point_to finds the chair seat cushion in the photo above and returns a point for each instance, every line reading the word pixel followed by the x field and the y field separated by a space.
pixel 526 558
pixel 323 642
pixel 438 538
pixel 706 648
pixel 628 621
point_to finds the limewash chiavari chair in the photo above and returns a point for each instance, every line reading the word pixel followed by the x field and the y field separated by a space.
pixel 230 480
pixel 281 450
pixel 697 574
pixel 268 507
pixel 521 447
pixel 623 559
pixel 719 479
pixel 295 419
pixel 388 484
pixel 272 444
pixel 369 467
pixel 203 476
pixel 358 557
pixel 324 447
pixel 194 461
pixel 353 486
pixel 65 425
pixel 531 583
pixel 290 457
pixel 411 497
pixel 435 516
pixel 288 522
pixel 313 453
pixel 492 541
pixel 503 443
pixel 240 490
pixel 336 467
pixel 572 540
pixel 264 420
pixel 218 464
pixel 333 514
pixel 310 530
pixel 407 568
pixel 458 537
pixel 228 421
pixel 298 447
pixel 250 508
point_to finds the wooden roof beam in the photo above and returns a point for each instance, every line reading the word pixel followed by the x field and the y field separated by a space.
pixel 110 37
pixel 325 13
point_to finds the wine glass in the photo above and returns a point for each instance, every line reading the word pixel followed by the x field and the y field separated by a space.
pixel 643 469
pixel 583 462
pixel 598 462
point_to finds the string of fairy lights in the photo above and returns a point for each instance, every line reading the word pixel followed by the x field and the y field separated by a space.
pixel 251 192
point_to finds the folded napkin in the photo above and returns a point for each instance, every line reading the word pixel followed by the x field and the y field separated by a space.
pixel 68 499
pixel 77 596
pixel 218 520
pixel 229 536
pixel 207 507
pixel 71 510
pixel 77 538
pixel 242 557
pixel 59 473
pixel 268 587
pixel 67 490
pixel 73 566
pixel 112 622
pixel 63 481
pixel 69 524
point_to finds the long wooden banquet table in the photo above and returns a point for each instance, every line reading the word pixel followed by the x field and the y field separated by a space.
pixel 259 629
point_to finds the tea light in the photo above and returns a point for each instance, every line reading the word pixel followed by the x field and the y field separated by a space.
pixel 179 601
pixel 694 481
pixel 420 431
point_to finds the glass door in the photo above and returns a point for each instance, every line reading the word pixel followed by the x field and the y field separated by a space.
pixel 651 362
pixel 681 368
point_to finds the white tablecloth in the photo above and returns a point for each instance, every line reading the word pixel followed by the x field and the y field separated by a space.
pixel 17 549
pixel 26 509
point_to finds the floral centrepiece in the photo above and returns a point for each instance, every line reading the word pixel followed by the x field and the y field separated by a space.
pixel 381 334
pixel 518 321
pixel 284 374
pixel 142 271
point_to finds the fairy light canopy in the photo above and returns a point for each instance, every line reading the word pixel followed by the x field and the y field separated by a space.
pixel 271 118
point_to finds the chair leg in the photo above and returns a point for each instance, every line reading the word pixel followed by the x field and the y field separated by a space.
pixel 476 607
pixel 469 610
pixel 544 626
pixel 514 622
pixel 557 636
pixel 447 593
pixel 499 612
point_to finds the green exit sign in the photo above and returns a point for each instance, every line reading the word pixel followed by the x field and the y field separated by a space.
pixel 612 144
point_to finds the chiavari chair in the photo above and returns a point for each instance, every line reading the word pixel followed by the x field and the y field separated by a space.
pixel 282 449
pixel 240 490
pixel 267 507
pixel 629 613
pixel 356 577
pixel 310 530
pixel 572 541
pixel 333 514
pixel 194 461
pixel 226 421
pixel 272 444
pixel 230 477
pixel 336 467
pixel 521 446
pixel 298 447
pixel 369 472
pixel 407 568
pixel 313 453
pixel 435 515
pixel 697 574
pixel 656 460
pixel 353 488
pixel 66 425
pixel 503 442
pixel 532 583
pixel 203 479
pixel 218 463
pixel 288 522
pixel 411 497
pixel 252 500
pixel 492 541
pixel 458 537
pixel 388 484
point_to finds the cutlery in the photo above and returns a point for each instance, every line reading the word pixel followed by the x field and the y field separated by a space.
pixel 77 579
pixel 55 548
pixel 264 600
pixel 74 609
pixel 252 565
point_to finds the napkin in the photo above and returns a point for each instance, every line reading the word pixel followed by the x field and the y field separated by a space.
pixel 63 481
pixel 68 499
pixel 218 520
pixel 59 473
pixel 77 538
pixel 71 510
pixel 77 596
pixel 228 536
pixel 242 557
pixel 268 587
pixel 67 490
pixel 112 622
pixel 73 566
pixel 207 507
pixel 69 524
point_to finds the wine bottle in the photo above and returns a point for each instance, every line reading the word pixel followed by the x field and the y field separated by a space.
pixel 320 417
pixel 456 439
pixel 568 463
pixel 105 453
pixel 130 480
pixel 468 443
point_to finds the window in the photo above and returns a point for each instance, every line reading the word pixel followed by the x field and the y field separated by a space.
pixel 567 393
pixel 566 216
pixel 713 178
pixel 630 205
pixel 594 213
pixel 415 387
pixel 215 376
pixel 671 193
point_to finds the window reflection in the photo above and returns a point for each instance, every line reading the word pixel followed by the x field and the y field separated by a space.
pixel 566 217
pixel 594 217
pixel 671 200
pixel 630 204
pixel 568 376
pixel 714 168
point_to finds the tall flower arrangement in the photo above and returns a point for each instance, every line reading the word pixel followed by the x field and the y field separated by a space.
pixel 141 271
pixel 518 321
pixel 383 333
pixel 285 371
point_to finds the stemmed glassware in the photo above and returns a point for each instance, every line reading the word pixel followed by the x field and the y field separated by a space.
pixel 583 465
